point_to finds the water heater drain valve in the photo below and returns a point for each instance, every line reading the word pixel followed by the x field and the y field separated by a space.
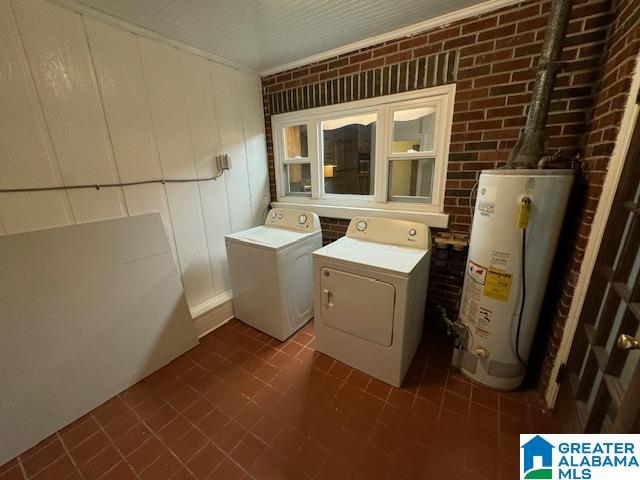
pixel 481 352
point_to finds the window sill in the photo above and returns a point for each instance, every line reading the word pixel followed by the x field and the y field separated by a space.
pixel 431 219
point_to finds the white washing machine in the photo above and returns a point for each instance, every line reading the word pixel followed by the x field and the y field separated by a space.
pixel 271 271
pixel 370 295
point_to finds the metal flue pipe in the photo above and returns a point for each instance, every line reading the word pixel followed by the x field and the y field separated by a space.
pixel 530 146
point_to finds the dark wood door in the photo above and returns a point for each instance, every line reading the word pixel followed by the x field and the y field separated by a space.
pixel 602 376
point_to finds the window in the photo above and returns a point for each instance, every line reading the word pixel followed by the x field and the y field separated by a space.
pixel 348 147
pixel 387 153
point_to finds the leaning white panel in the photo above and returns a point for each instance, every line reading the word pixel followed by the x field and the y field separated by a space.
pixel 87 311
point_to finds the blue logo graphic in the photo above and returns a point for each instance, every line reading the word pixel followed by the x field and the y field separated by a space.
pixel 538 447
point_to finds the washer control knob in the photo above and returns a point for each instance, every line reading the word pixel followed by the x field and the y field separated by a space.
pixel 273 214
pixel 302 219
pixel 361 226
pixel 280 216
pixel 412 232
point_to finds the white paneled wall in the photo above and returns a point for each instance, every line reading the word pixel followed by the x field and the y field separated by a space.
pixel 86 102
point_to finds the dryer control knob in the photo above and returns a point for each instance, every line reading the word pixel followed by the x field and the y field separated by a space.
pixel 361 226
pixel 280 216
pixel 412 232
pixel 302 219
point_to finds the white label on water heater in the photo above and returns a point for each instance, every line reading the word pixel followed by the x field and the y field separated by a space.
pixel 486 202
pixel 499 260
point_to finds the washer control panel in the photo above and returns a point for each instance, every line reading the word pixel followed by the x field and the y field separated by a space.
pixel 387 230
pixel 299 220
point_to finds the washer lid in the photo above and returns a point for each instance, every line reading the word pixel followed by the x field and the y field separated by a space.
pixel 393 258
pixel 270 237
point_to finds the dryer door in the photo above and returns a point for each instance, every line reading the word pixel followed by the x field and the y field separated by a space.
pixel 358 305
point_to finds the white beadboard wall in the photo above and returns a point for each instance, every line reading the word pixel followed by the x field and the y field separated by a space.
pixel 86 102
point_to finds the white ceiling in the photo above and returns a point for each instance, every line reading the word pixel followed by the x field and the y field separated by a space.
pixel 265 34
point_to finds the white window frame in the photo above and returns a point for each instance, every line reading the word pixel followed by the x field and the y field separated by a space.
pixel 378 204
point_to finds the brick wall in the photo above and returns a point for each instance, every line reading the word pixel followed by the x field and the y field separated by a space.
pixel 610 94
pixel 491 58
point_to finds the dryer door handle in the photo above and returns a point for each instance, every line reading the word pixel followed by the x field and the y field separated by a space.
pixel 326 298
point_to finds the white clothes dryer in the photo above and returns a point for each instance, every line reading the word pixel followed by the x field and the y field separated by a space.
pixel 370 294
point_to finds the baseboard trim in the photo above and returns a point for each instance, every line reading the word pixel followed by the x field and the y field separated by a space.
pixel 213 313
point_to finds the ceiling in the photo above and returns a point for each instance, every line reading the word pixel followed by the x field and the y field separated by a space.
pixel 266 34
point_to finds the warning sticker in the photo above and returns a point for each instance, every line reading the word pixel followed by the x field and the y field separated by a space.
pixel 477 272
pixel 499 260
pixel 470 303
pixel 497 285
pixel 483 327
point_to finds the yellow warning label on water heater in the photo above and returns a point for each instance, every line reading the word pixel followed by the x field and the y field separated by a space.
pixel 524 212
pixel 497 285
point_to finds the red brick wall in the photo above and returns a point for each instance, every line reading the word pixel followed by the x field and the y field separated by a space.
pixel 610 94
pixel 495 53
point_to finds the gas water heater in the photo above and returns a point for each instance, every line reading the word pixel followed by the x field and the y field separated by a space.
pixel 517 220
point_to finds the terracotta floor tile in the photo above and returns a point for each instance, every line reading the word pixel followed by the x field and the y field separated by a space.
pixel 132 439
pixel 205 461
pixel 335 468
pixel 484 416
pixel 270 466
pixel 340 370
pixel 145 454
pixel 13 473
pixel 101 463
pixel 227 470
pixel 358 379
pixel 90 447
pixel 121 424
pixel 189 444
pixel 309 458
pixel 267 428
pixel 183 398
pixel 213 423
pixel 198 410
pixel 459 386
pixel 373 465
pixel 164 467
pixel 456 404
pixel 385 439
pixel 60 468
pixel 485 397
pixel 39 457
pixel 229 435
pixel 174 430
pixel 120 471
pixel 247 451
pixel 243 405
pixel 378 389
pixel 161 417
pixel 78 431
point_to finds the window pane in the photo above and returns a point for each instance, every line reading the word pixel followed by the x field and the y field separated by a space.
pixel 297 178
pixel 411 180
pixel 296 145
pixel 414 130
pixel 349 154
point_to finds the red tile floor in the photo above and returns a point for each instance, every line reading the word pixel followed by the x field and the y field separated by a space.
pixel 242 405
